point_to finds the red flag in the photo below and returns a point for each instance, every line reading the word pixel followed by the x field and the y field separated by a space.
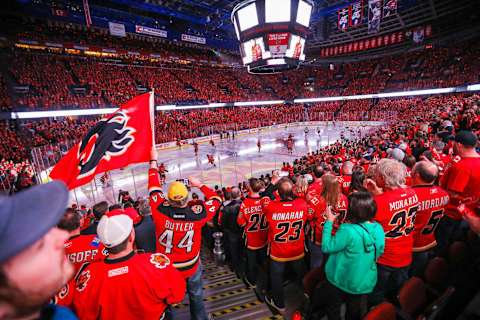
pixel 123 138
pixel 88 19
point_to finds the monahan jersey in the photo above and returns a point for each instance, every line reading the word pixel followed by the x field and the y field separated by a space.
pixel 179 230
pixel 84 248
pixel 286 220
pixel 432 200
pixel 251 217
pixel 138 286
pixel 317 216
pixel 396 214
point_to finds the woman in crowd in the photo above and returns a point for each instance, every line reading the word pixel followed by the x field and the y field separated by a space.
pixel 351 269
pixel 358 177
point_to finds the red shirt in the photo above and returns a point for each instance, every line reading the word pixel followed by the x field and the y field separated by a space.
pixel 252 218
pixel 344 182
pixel 138 286
pixel 84 248
pixel 179 230
pixel 433 201
pixel 408 177
pixel 462 176
pixel 319 205
pixel 315 188
pixel 396 214
pixel 285 229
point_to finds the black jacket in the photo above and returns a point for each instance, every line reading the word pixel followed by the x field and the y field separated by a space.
pixel 229 217
pixel 145 235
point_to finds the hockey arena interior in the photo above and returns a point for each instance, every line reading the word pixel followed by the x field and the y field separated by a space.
pixel 246 159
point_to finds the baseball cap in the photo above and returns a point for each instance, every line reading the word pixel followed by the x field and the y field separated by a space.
pixel 114 227
pixel 28 215
pixel 467 138
pixel 177 191
pixel 396 154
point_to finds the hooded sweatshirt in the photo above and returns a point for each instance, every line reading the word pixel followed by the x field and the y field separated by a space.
pixel 353 251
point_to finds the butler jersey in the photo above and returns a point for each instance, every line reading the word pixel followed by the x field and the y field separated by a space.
pixel 318 218
pixel 433 201
pixel 315 188
pixel 179 230
pixel 251 217
pixel 138 286
pixel 285 229
pixel 462 176
pixel 84 248
pixel 396 214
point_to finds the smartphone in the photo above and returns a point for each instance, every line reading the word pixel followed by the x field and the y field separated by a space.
pixel 185 182
pixel 283 173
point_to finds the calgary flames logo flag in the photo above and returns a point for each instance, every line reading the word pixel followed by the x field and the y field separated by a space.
pixel 123 138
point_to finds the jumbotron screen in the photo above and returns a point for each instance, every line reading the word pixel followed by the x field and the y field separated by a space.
pixel 272 33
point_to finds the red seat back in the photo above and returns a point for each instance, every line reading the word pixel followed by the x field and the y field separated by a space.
pixel 412 297
pixel 383 311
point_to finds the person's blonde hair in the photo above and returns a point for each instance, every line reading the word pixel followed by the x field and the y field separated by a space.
pixel 392 171
pixel 302 185
pixel 330 190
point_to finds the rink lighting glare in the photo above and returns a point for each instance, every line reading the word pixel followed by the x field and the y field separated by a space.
pixel 87 112
pixel 473 87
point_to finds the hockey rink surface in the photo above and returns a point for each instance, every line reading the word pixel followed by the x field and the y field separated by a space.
pixel 236 160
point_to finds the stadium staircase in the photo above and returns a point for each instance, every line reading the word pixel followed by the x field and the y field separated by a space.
pixel 225 295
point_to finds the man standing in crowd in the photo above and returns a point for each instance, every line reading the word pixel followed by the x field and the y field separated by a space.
pixel 233 232
pixel 145 230
pixel 33 266
pixel 286 219
pixel 99 210
pixel 80 248
pixel 178 228
pixel 397 208
pixel 126 285
pixel 462 181
pixel 315 188
pixel 346 177
pixel 252 219
pixel 433 201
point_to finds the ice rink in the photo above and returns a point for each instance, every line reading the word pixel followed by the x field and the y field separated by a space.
pixel 236 160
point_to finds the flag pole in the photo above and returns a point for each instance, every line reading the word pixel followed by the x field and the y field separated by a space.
pixel 152 115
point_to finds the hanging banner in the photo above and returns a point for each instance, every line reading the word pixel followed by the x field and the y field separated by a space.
pixel 117 29
pixel 374 15
pixel 151 31
pixel 278 43
pixel 356 14
pixel 389 8
pixel 418 34
pixel 190 38
pixel 343 15
pixel 59 12
pixel 86 9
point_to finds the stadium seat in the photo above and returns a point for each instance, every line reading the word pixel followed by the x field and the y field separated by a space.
pixel 412 297
pixel 434 310
pixel 383 311
pixel 311 279
pixel 457 255
pixel 436 272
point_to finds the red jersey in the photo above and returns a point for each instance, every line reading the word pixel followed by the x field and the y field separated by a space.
pixel 433 201
pixel 396 214
pixel 138 286
pixel 252 218
pixel 462 176
pixel 344 181
pixel 256 52
pixel 179 230
pixel 285 229
pixel 317 215
pixel 315 188
pixel 84 248
pixel 408 177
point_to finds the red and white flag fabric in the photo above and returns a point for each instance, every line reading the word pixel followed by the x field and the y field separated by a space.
pixel 123 138
pixel 88 19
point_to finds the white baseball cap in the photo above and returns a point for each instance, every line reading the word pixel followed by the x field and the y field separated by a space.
pixel 113 230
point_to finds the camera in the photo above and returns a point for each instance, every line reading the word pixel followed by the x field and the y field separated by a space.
pixel 186 182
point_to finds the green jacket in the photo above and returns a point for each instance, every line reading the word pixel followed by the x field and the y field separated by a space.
pixel 352 265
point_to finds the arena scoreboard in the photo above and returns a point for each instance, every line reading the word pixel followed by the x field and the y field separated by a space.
pixel 272 33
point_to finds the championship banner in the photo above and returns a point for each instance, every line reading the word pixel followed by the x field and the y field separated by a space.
pixel 357 14
pixel 374 15
pixel 343 15
pixel 151 31
pixel 86 9
pixel 117 29
pixel 278 43
pixel 389 8
pixel 123 138
pixel 418 34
